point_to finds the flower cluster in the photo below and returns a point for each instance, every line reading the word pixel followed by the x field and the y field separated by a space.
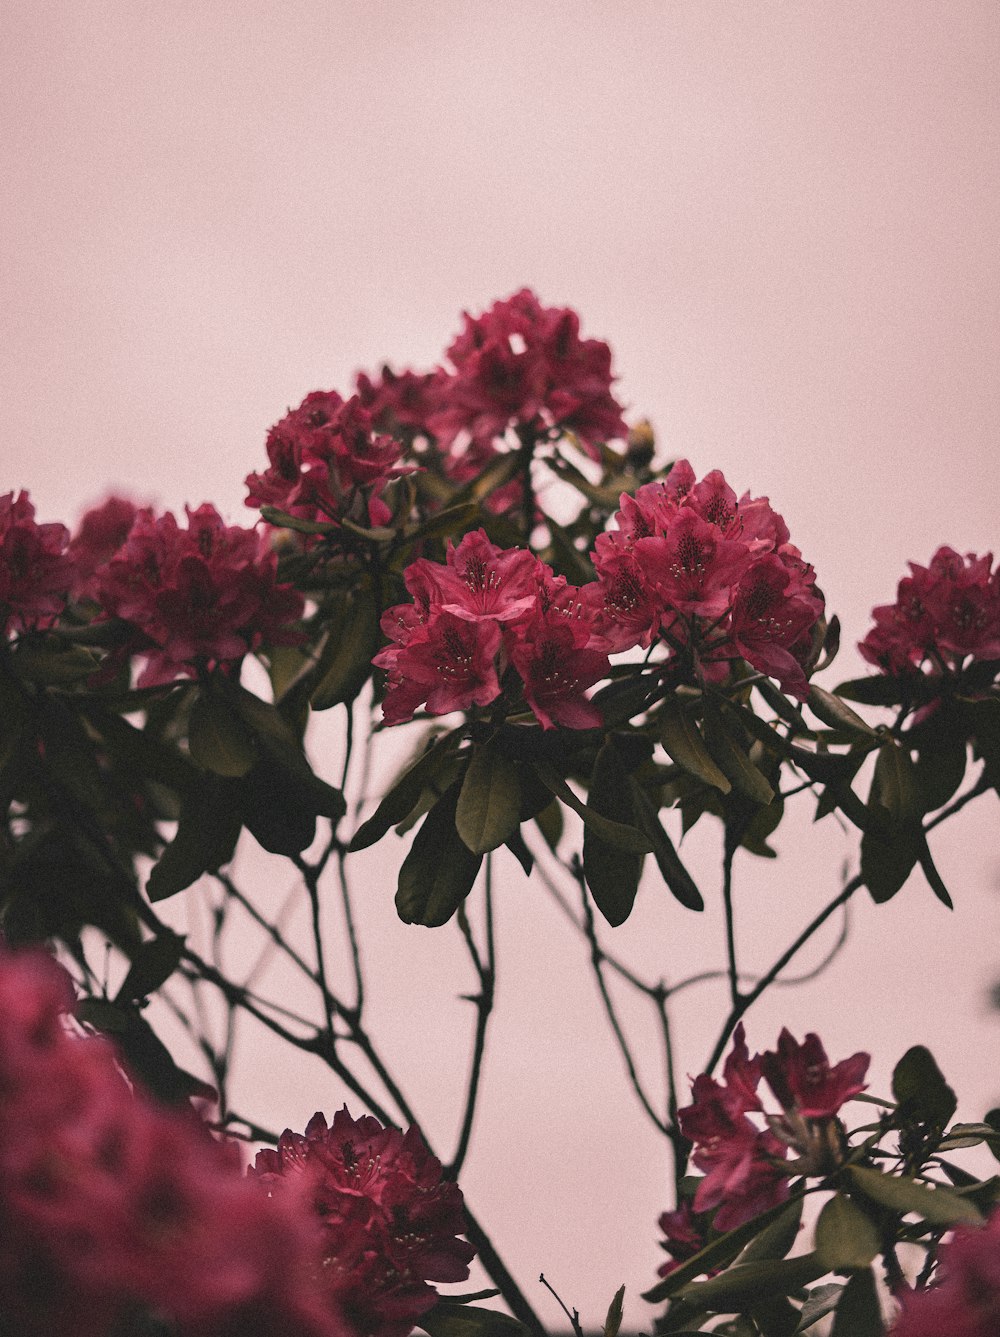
pixel 390 1222
pixel 101 532
pixel 524 366
pixel 36 572
pixel 485 611
pixel 710 574
pixel 111 1207
pixel 747 1168
pixel 328 463
pixel 965 1301
pixel 945 615
pixel 205 596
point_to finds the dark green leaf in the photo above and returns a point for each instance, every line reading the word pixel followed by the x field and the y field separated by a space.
pixel 146 1056
pixel 858 1313
pixel 440 869
pixel 920 1089
pixel 521 852
pixel 404 792
pixel 205 839
pixel 153 964
pixel 345 664
pixel 614 833
pixel 776 1239
pixel 282 520
pixel 50 664
pixel 682 741
pixel 932 875
pixel 874 691
pixel 714 1255
pixel 613 1322
pixel 819 1302
pixel 894 787
pixel 489 805
pixel 550 822
pixel 939 1206
pixel 745 1284
pixel 733 761
pixel 679 881
pixel 218 739
pixel 888 860
pixel 612 875
pixel 846 1237
pixel 458 1320
pixel 835 713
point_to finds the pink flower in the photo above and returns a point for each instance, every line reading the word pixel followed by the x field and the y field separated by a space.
pixel 206 595
pixel 110 1205
pixel 685 1236
pixel 327 462
pixel 101 532
pixel 965 1300
pixel 803 1081
pixel 524 366
pixel 390 1222
pixel 945 615
pixel 400 403
pixel 771 612
pixel 449 663
pixel 36 573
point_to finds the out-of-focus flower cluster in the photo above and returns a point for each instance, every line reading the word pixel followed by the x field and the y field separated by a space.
pixel 484 611
pixel 112 1208
pixel 35 570
pixel 709 574
pixel 390 1222
pixel 965 1301
pixel 748 1167
pixel 946 615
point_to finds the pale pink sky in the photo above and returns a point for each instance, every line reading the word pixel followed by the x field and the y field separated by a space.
pixel 782 216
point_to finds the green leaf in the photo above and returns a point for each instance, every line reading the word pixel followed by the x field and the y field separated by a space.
pixel 744 1284
pixel 345 664
pixel 153 964
pixel 682 741
pixel 775 1240
pixel 878 690
pixel 714 1255
pixel 405 792
pixel 932 875
pixel 550 822
pixel 894 787
pixel 489 805
pixel 836 713
pixel 888 860
pixel 858 1313
pixel 920 1089
pixel 615 833
pixel 846 1238
pixel 452 520
pixel 613 1322
pixel 612 874
pixel 206 836
pixel 218 739
pixel 447 1319
pixel 145 1054
pixel 938 1206
pixel 733 761
pixel 679 881
pixel 51 664
pixel 440 869
pixel 819 1302
pixel 282 520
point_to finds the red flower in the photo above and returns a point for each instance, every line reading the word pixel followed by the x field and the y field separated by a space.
pixel 36 572
pixel 803 1081
pixel 110 1205
pixel 326 462
pixel 400 403
pixel 206 595
pixel 449 664
pixel 390 1222
pixel 100 534
pixel 521 365
pixel 965 1300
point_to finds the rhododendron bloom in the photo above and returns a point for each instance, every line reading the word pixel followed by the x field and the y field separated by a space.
pixel 710 574
pixel 390 1222
pixel 100 533
pixel 111 1206
pixel 327 462
pixel 449 664
pixel 945 614
pixel 524 366
pixel 803 1081
pixel 36 573
pixel 965 1300
pixel 205 595
pixel 400 403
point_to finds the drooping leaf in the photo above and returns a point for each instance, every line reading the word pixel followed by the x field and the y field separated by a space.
pixel 680 883
pixel 888 860
pixel 153 964
pixel 920 1089
pixel 775 1240
pixel 829 708
pixel 623 837
pixel 938 1206
pixel 932 875
pixel 146 1056
pixel 744 1284
pixel 205 840
pixel 682 741
pixel 717 1253
pixel 858 1313
pixel 345 664
pixel 405 792
pixel 218 739
pixel 733 761
pixel 439 870
pixel 846 1237
pixel 489 805
pixel 878 690
pixel 612 874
